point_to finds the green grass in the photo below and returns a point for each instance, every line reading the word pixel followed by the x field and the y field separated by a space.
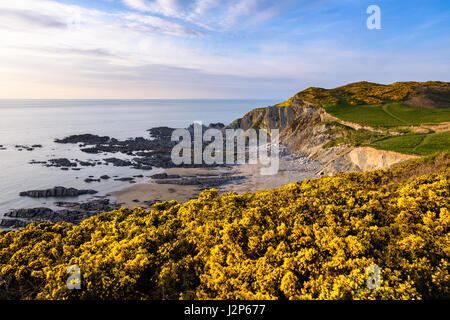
pixel 415 143
pixel 368 115
pixel 416 116
pixel 389 115
pixel 424 144
pixel 403 144
pixel 381 107
pixel 433 143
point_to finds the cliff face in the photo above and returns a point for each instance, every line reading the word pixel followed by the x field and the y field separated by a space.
pixel 367 158
pixel 305 129
pixel 271 117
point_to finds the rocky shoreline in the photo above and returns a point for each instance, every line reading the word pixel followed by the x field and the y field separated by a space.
pixel 142 154
pixel 56 192
pixel 72 212
pixel 75 212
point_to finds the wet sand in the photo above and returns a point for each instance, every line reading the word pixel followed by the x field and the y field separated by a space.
pixel 289 172
pixel 154 192
pixel 151 191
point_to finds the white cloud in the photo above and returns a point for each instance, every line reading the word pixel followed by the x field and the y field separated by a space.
pixel 50 49
pixel 171 8
pixel 159 25
pixel 128 38
pixel 217 15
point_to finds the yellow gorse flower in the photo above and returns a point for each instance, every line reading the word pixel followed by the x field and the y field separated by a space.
pixel 308 240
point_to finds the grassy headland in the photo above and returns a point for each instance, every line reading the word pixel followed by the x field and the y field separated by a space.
pixel 396 117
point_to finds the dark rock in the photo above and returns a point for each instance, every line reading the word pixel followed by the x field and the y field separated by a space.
pixel 99 205
pixel 73 212
pixel 105 177
pixel 217 125
pixel 161 132
pixel 12 223
pixel 28 148
pixel 124 179
pixel 165 176
pixel 61 162
pixel 56 192
pixel 118 162
pixel 85 163
pixel 86 139
pixel 204 182
pixel 142 167
pixel 37 162
pixel 29 213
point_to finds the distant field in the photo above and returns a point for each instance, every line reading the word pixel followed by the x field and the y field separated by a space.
pixel 389 115
pixel 415 116
pixel 419 143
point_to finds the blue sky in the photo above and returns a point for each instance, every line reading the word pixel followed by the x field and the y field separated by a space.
pixel 214 48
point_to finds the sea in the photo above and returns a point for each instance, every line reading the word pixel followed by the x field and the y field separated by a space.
pixel 40 122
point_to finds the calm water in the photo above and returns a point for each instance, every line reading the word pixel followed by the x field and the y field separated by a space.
pixel 27 122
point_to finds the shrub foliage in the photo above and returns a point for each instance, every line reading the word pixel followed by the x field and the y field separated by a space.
pixel 368 93
pixel 308 240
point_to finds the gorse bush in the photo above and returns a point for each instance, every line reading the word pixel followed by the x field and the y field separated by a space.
pixel 307 240
pixel 368 93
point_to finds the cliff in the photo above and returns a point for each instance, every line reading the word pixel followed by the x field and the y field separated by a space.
pixel 314 129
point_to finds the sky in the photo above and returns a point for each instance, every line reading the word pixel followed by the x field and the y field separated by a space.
pixel 269 49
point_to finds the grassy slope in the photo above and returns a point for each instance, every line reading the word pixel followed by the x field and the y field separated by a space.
pixel 388 115
pixel 367 115
pixel 384 107
pixel 415 143
pixel 396 115
pixel 416 116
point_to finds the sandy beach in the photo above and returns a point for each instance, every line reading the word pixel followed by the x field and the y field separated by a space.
pixel 290 171
pixel 151 191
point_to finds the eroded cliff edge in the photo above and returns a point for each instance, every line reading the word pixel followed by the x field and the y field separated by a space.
pixel 308 130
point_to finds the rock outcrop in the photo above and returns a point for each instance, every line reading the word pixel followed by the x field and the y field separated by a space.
pixel 371 159
pixel 271 117
pixel 72 212
pixel 56 192
pixel 306 130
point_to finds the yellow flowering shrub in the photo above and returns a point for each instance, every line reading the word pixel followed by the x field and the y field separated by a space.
pixel 369 93
pixel 308 240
